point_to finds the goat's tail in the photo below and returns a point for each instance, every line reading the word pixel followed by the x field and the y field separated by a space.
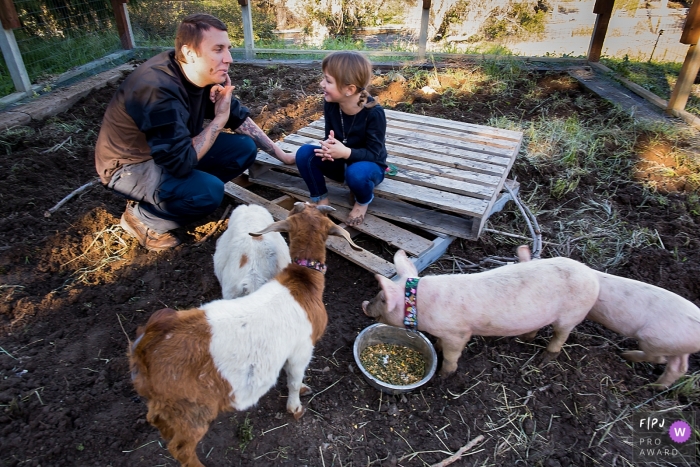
pixel 156 327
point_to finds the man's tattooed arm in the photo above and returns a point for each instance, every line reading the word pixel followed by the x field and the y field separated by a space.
pixel 262 141
pixel 204 141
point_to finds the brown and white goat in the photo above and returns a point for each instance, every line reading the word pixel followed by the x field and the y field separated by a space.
pixel 226 354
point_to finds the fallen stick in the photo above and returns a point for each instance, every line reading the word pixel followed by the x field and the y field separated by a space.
pixel 456 456
pixel 58 205
pixel 216 227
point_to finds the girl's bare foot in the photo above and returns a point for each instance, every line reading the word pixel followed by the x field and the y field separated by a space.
pixel 357 215
pixel 324 202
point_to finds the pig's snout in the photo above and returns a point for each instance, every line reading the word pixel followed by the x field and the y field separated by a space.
pixel 373 308
pixel 364 306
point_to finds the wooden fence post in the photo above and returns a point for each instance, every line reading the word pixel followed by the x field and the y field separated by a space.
pixel 691 65
pixel 248 38
pixel 10 50
pixel 121 16
pixel 602 8
pixel 423 38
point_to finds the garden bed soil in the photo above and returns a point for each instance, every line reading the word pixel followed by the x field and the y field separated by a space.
pixel 75 286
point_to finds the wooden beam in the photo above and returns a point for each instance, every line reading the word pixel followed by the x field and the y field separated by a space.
pixel 689 70
pixel 8 15
pixel 691 29
pixel 423 37
pixel 248 39
pixel 121 17
pixel 602 8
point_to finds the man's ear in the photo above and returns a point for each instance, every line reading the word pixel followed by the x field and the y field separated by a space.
pixel 188 53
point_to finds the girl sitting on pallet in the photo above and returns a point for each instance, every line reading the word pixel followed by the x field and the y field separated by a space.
pixel 354 150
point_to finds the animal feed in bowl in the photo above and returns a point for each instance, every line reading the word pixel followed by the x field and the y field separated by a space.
pixel 393 364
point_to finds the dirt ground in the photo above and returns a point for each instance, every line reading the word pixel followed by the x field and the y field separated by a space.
pixel 74 286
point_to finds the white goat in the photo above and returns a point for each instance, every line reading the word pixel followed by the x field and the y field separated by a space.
pixel 243 263
pixel 226 354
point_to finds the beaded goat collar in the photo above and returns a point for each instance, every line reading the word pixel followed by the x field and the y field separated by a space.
pixel 410 317
pixel 311 264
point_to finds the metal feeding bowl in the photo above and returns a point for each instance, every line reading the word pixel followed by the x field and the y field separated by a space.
pixel 384 334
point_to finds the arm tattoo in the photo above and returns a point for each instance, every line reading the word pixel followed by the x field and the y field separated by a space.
pixel 203 139
pixel 262 141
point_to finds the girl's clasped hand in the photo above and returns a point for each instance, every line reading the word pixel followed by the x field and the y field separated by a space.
pixel 332 149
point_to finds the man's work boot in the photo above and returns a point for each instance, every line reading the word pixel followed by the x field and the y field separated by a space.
pixel 148 238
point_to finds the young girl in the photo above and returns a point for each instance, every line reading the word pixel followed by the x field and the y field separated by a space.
pixel 354 150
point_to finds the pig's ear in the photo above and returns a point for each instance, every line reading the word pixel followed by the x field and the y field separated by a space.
pixel 393 292
pixel 404 266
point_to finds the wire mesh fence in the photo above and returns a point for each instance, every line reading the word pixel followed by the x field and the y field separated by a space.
pixel 59 34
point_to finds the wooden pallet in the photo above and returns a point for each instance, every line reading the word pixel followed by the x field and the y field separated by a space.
pixel 448 182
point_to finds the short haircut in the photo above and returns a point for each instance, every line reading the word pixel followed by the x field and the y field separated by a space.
pixel 191 31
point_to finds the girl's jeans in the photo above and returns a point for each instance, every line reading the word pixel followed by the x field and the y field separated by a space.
pixel 361 177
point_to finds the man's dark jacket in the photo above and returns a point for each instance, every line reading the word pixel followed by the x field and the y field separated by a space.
pixel 154 114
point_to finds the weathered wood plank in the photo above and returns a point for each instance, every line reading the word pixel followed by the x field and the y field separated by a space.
pixel 496 133
pixel 386 231
pixel 417 216
pixel 453 134
pixel 338 245
pixel 443 171
pixel 405 174
pixel 411 147
pixel 419 138
pixel 488 174
pixel 396 189
pixel 441 183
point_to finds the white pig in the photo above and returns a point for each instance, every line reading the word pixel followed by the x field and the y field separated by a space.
pixel 666 325
pixel 506 301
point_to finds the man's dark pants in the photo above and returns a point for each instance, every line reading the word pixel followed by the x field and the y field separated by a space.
pixel 166 202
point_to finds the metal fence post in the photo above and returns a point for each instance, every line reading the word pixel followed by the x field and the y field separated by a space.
pixel 10 50
pixel 423 38
pixel 248 38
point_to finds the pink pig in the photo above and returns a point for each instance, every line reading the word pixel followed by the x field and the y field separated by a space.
pixel 666 325
pixel 507 301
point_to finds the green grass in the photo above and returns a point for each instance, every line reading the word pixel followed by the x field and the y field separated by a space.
pixel 6 84
pixel 594 142
pixel 46 58
pixel 657 77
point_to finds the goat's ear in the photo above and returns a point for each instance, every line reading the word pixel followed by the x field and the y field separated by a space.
pixel 279 226
pixel 339 232
pixel 404 266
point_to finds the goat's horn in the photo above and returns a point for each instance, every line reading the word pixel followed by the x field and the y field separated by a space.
pixel 298 207
pixel 279 226
pixel 339 232
pixel 325 208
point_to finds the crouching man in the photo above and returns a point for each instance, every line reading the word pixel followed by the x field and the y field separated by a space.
pixel 153 148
